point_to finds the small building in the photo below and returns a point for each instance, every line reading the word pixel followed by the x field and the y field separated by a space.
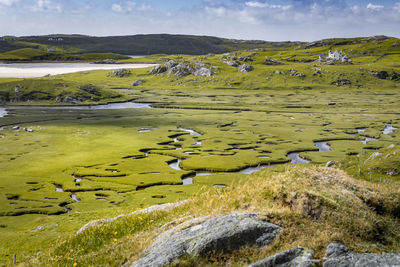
pixel 335 55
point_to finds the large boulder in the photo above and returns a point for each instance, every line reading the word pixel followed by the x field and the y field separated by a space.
pixel 233 63
pixel 158 70
pixel 295 257
pixel 170 64
pixel 181 70
pixel 203 72
pixel 244 68
pixel 138 82
pixel 202 235
pixel 338 255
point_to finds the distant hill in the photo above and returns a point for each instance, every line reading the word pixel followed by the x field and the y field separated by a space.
pixel 139 44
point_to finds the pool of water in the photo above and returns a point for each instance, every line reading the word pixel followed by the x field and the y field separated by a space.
pixel 295 157
pixel 3 112
pixel 322 146
pixel 388 128
pixel 124 105
pixel 190 131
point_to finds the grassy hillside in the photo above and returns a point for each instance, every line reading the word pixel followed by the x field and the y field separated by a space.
pixel 139 44
pixel 65 167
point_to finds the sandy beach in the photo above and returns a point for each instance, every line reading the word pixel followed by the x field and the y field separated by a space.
pixel 35 70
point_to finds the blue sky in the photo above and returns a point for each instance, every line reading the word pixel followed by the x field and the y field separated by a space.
pixel 304 20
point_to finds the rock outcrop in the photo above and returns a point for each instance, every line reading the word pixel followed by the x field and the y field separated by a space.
pixel 203 72
pixel 295 257
pixel 181 70
pixel 244 68
pixel 138 82
pixel 121 73
pixel 202 235
pixel 338 255
pixel 158 70
pixel 270 61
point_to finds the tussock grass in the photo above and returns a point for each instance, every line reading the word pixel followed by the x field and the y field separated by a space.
pixel 314 205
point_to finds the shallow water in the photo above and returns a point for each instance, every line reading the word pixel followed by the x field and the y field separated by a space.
pixel 187 181
pixel 388 128
pixel 124 105
pixel 251 170
pixel 295 157
pixel 361 130
pixel 75 198
pixel 322 146
pixel 367 139
pixel 34 70
pixel 175 165
pixel 3 112
pixel 191 132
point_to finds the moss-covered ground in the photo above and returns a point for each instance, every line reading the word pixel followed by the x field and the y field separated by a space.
pixel 64 167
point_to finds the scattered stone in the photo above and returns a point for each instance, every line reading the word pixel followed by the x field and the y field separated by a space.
pixel 90 89
pixel 380 75
pixel 233 63
pixel 121 73
pixel 279 72
pixel 270 61
pixel 68 99
pixel 244 68
pixel 108 74
pixel 341 82
pixel 203 72
pixel 138 82
pixel 39 228
pixel 295 257
pixel 29 130
pixel 338 254
pixel 392 172
pixel 15 127
pixel 331 163
pixel 246 59
pixel 395 76
pixel 158 70
pixel 200 236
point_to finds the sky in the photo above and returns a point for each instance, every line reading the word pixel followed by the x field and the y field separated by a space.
pixel 287 20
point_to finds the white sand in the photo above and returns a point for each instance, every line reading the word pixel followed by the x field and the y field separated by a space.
pixel 34 70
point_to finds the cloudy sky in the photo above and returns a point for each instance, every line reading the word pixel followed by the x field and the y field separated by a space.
pixel 303 20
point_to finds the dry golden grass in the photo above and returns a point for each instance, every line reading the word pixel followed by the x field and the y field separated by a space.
pixel 313 205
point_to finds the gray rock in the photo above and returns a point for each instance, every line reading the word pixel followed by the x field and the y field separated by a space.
pixel 270 61
pixel 170 64
pixel 295 257
pixel 330 163
pixel 138 82
pixel 203 72
pixel 181 70
pixel 338 255
pixel 244 68
pixel 200 236
pixel 70 99
pixel 233 63
pixel 121 73
pixel 158 70
pixel 279 72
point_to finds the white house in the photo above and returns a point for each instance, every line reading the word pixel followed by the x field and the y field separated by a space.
pixel 335 55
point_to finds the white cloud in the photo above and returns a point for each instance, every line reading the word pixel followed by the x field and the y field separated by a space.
pixel 255 4
pixel 130 6
pixel 375 7
pixel 8 2
pixel 46 5
pixel 116 8
pixel 218 11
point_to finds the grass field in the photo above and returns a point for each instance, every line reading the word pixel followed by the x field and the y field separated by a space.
pixel 64 167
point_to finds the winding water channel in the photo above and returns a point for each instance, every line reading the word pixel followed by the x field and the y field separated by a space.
pixel 294 157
